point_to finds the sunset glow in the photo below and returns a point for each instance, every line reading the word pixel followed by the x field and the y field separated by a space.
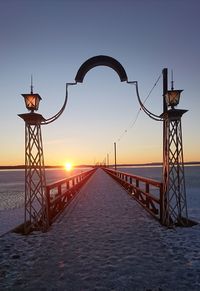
pixel 68 166
pixel 101 110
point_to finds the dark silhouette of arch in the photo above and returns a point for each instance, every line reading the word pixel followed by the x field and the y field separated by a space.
pixel 100 61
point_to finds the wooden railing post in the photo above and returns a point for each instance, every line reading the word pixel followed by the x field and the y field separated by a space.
pixel 161 204
pixel 141 192
pixel 59 195
pixel 64 196
pixel 137 186
pixel 147 191
pixel 48 204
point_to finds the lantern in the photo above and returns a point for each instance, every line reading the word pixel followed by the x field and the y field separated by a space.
pixel 172 97
pixel 32 101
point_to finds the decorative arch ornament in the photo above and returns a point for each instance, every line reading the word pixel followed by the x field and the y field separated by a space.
pixel 101 61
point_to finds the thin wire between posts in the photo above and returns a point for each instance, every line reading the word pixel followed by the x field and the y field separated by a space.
pixel 142 107
pixel 149 113
pixel 132 123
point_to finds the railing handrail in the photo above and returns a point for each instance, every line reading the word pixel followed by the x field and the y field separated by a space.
pixel 65 180
pixel 56 202
pixel 140 178
pixel 149 195
pixel 144 196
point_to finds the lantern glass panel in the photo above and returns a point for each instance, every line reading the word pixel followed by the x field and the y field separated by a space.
pixel 32 101
pixel 172 97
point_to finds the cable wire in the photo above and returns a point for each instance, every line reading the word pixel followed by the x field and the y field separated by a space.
pixel 142 107
pixel 149 113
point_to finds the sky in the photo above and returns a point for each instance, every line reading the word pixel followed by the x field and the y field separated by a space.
pixel 51 39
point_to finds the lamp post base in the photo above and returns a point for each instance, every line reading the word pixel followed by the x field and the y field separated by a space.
pixel 36 211
pixel 174 202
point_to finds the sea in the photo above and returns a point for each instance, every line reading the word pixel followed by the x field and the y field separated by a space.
pixel 12 185
pixel 121 250
pixel 192 179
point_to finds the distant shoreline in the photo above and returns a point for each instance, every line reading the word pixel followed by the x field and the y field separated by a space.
pixel 22 167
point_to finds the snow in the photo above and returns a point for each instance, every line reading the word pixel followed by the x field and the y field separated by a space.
pixel 10 218
pixel 104 240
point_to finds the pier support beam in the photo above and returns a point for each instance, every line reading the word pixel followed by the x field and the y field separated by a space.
pixel 36 213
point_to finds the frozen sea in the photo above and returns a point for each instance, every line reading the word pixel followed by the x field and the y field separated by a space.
pixel 192 177
pixel 12 194
pixel 104 240
pixel 12 190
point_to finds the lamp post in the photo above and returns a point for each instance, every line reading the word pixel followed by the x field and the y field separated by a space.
pixel 36 210
pixel 115 153
pixel 173 204
pixel 36 202
pixel 174 208
pixel 107 160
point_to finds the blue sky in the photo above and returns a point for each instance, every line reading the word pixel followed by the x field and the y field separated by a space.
pixel 51 39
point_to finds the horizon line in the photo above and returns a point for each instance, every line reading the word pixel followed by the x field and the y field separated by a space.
pixel 99 165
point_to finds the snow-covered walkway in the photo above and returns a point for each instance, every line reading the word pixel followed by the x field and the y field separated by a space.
pixel 103 241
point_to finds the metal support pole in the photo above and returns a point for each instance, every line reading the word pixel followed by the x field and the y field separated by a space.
pixel 108 160
pixel 36 204
pixel 173 197
pixel 165 88
pixel 115 152
pixel 165 170
pixel 175 204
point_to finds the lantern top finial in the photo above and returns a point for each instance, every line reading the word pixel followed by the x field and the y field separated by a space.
pixel 31 84
pixel 172 81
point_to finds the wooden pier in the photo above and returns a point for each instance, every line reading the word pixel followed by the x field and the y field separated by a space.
pixel 147 192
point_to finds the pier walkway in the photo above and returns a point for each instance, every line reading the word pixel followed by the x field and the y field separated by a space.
pixel 103 240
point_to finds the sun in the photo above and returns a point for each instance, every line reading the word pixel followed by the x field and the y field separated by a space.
pixel 68 166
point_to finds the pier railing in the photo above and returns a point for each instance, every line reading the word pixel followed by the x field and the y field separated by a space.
pixel 148 192
pixel 60 193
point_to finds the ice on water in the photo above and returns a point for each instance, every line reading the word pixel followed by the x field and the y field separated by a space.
pixel 122 249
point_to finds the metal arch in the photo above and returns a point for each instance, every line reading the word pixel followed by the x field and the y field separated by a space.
pixel 101 61
pixel 53 118
pixel 85 67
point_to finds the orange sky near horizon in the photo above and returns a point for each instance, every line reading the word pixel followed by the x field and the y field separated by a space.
pixel 51 41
